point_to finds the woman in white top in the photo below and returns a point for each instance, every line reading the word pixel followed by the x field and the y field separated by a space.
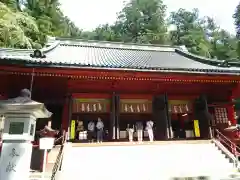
pixel 149 128
pixel 130 133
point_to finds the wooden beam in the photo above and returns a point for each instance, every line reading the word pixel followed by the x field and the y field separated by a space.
pixel 98 74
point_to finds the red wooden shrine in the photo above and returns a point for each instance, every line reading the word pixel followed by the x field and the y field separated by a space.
pixel 89 88
pixel 65 86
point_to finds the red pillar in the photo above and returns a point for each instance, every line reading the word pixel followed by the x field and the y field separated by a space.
pixel 2 97
pixel 65 114
pixel 231 114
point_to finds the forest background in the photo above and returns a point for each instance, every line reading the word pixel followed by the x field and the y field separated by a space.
pixel 28 23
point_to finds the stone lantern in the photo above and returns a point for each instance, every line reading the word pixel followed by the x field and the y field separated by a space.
pixel 20 115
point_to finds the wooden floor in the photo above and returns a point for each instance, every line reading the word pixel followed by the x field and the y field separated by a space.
pixel 137 143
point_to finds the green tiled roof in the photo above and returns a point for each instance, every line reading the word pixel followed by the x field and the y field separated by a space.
pixel 93 54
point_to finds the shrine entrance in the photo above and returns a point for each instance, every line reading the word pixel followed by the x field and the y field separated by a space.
pixel 133 111
pixel 89 110
pixel 182 119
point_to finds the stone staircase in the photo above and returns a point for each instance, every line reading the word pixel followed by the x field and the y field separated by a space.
pixel 159 160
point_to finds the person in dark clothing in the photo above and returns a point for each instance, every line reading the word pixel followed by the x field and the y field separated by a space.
pixel 176 128
pixel 79 128
pixel 91 133
pixel 139 128
pixel 99 127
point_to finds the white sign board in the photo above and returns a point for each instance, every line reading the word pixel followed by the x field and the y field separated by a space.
pixel 15 161
pixel 46 143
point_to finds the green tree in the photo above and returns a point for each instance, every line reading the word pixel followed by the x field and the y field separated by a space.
pixel 14 5
pixel 142 21
pixel 223 44
pixel 202 36
pixel 236 17
pixel 17 29
pixel 106 33
pixel 189 32
pixel 27 23
pixel 50 19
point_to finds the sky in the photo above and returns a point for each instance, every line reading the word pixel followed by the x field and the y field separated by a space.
pixel 88 14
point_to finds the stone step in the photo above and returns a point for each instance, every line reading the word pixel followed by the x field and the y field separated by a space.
pixel 38 176
pixel 52 155
pixel 142 143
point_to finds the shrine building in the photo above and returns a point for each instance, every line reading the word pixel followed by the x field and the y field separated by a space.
pixel 80 81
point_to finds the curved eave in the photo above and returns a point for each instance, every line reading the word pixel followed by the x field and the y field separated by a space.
pixel 214 62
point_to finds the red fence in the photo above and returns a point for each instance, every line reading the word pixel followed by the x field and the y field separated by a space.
pixel 230 145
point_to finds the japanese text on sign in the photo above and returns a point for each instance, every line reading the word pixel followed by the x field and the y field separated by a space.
pixel 136 107
pixel 90 106
pixel 11 165
pixel 179 108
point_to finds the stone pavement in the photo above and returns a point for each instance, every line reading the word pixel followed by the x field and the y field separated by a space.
pixel 146 161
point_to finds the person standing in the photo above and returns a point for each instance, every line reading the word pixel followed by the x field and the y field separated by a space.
pixel 91 131
pixel 99 127
pixel 149 128
pixel 79 129
pixel 130 133
pixel 139 128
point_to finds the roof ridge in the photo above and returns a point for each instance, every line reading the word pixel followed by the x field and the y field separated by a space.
pixel 15 50
pixel 113 42
pixel 109 45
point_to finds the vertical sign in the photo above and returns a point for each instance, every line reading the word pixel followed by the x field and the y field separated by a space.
pixel 196 128
pixel 73 125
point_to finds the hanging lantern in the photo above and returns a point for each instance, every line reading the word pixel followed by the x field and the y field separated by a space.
pixel 131 108
pixel 99 107
pixel 94 107
pixel 186 107
pixel 88 108
pixel 138 108
pixel 83 107
pixel 126 108
pixel 180 108
pixel 144 108
pixel 175 109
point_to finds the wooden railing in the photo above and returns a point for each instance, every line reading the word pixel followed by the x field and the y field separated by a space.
pixel 229 145
pixel 58 162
